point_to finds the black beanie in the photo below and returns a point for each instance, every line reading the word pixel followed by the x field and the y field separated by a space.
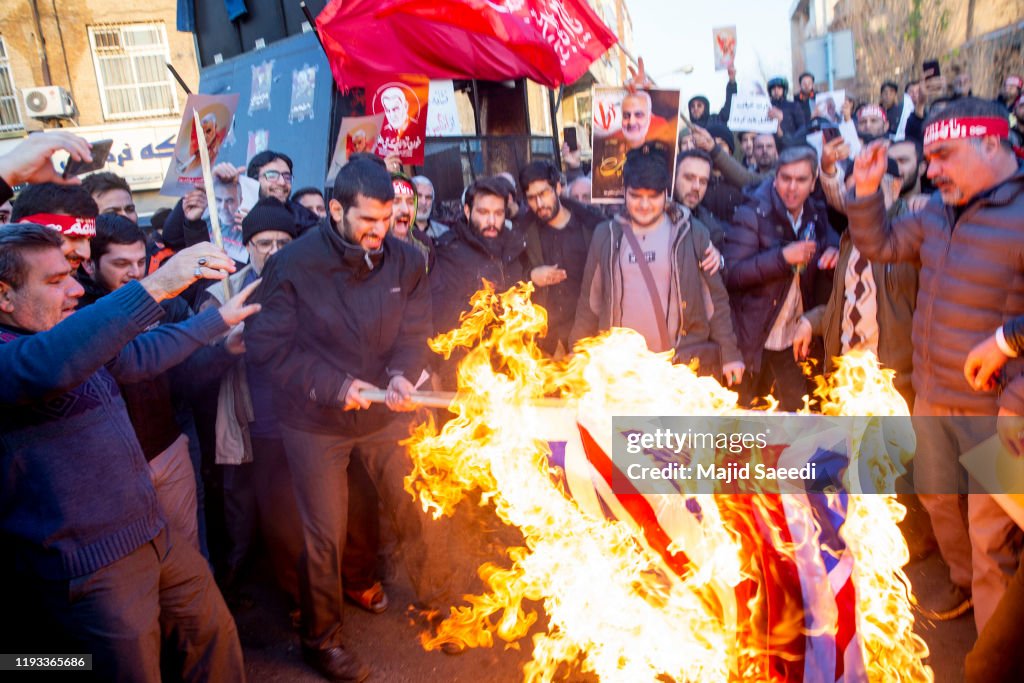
pixel 268 214
pixel 720 130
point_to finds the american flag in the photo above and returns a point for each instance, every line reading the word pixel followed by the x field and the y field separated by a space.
pixel 815 577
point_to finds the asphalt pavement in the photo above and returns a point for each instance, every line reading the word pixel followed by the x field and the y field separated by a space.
pixel 388 642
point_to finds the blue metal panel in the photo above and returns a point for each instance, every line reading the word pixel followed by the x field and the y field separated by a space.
pixel 304 137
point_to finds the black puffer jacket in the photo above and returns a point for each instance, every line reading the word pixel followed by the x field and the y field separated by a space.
pixel 464 259
pixel 758 275
pixel 332 313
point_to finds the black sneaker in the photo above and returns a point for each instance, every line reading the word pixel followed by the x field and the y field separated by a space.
pixel 336 664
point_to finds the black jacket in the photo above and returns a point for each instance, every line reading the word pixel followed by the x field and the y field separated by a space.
pixel 722 116
pixel 792 117
pixel 464 259
pixel 758 276
pixel 332 313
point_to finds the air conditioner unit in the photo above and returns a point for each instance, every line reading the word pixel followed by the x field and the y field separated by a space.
pixel 49 102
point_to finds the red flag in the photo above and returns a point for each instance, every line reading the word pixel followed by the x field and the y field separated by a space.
pixel 549 41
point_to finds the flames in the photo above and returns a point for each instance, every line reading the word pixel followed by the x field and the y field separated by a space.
pixel 699 604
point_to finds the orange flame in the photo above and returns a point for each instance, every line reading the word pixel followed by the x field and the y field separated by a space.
pixel 616 605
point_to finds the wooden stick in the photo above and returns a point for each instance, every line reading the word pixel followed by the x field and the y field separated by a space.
pixel 211 198
pixel 443 399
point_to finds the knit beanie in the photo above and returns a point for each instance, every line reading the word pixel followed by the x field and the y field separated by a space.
pixel 720 130
pixel 268 214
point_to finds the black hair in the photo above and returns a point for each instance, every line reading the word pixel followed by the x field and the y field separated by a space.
pixel 158 219
pixel 806 73
pixel 918 147
pixel 264 158
pixel 909 85
pixel 694 154
pixel 963 107
pixel 112 228
pixel 646 168
pixel 362 177
pixel 367 156
pixel 302 192
pixel 491 185
pixel 539 170
pixel 509 188
pixel 891 85
pixel 98 183
pixel 73 200
pixel 799 152
pixel 15 240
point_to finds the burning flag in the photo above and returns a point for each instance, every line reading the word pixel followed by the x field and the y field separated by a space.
pixel 638 585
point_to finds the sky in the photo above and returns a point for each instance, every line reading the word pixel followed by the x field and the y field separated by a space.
pixel 669 34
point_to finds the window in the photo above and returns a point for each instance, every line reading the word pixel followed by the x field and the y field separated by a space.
pixel 10 117
pixel 130 68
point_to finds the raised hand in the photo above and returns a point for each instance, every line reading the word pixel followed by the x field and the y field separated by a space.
pixel 30 162
pixel 200 261
pixel 638 79
pixel 701 138
pixel 235 309
pixel 194 204
pixel 869 167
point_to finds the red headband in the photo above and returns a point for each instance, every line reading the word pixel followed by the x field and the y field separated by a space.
pixel 403 188
pixel 966 127
pixel 72 226
pixel 1016 80
pixel 869 109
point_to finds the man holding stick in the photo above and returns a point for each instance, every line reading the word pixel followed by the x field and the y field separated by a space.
pixel 346 309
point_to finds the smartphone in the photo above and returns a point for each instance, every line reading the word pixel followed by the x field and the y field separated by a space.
pixel 569 135
pixel 99 149
pixel 931 68
pixel 829 133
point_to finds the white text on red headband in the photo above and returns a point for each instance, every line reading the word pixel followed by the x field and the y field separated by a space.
pixel 965 128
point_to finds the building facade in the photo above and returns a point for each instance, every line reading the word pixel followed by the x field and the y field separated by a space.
pixel 97 68
pixel 892 38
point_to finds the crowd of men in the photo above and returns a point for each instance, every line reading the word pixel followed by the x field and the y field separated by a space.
pixel 140 367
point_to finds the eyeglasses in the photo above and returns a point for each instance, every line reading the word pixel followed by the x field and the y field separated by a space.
pixel 269 245
pixel 272 176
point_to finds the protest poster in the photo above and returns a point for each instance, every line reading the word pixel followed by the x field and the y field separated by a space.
pixel 303 92
pixel 355 134
pixel 905 112
pixel 848 131
pixel 724 39
pixel 829 105
pixel 216 113
pixel 233 202
pixel 404 105
pixel 262 77
pixel 624 121
pixel 443 114
pixel 749 114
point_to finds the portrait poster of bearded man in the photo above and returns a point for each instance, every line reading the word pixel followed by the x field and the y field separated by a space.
pixel 623 121
pixel 216 113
